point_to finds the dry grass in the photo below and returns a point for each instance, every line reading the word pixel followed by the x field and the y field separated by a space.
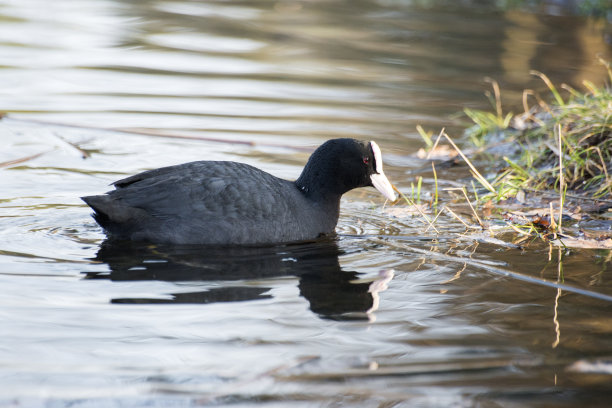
pixel 565 144
pixel 566 150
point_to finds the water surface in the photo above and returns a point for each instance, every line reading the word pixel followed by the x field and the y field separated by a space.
pixel 385 314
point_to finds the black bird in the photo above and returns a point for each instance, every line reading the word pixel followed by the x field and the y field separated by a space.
pixel 229 203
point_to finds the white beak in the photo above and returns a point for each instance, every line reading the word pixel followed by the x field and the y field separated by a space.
pixel 379 180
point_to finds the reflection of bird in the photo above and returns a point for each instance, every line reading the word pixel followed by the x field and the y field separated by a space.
pixel 343 296
pixel 330 291
pixel 229 203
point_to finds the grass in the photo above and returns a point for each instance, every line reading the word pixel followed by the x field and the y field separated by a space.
pixel 564 148
pixel 487 123
pixel 565 143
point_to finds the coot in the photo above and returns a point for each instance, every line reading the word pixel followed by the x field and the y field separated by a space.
pixel 229 203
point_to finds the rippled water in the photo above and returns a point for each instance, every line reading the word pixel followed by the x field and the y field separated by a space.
pixel 386 314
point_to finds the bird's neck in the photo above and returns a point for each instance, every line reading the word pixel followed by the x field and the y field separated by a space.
pixel 320 179
pixel 319 185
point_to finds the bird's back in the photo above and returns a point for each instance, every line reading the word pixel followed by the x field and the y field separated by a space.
pixel 209 202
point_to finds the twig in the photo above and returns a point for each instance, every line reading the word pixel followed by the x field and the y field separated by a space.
pixel 23 159
pixel 433 168
pixel 152 133
pixel 556 314
pixel 553 223
pixel 409 201
pixel 499 271
pixel 603 163
pixel 459 218
pixel 434 220
pixel 567 195
pixel 473 210
pixel 435 144
pixel 84 154
pixel 561 180
pixel 528 114
pixel 478 176
pixel 517 230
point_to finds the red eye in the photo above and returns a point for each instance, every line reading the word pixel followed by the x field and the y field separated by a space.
pixel 366 160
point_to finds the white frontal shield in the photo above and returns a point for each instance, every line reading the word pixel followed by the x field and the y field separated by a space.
pixel 379 180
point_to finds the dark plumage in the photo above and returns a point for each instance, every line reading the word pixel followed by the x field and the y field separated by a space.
pixel 229 203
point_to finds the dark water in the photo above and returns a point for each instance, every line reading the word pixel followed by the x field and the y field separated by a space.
pixel 387 314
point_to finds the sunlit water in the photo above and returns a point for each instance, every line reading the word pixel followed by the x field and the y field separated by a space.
pixel 386 314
